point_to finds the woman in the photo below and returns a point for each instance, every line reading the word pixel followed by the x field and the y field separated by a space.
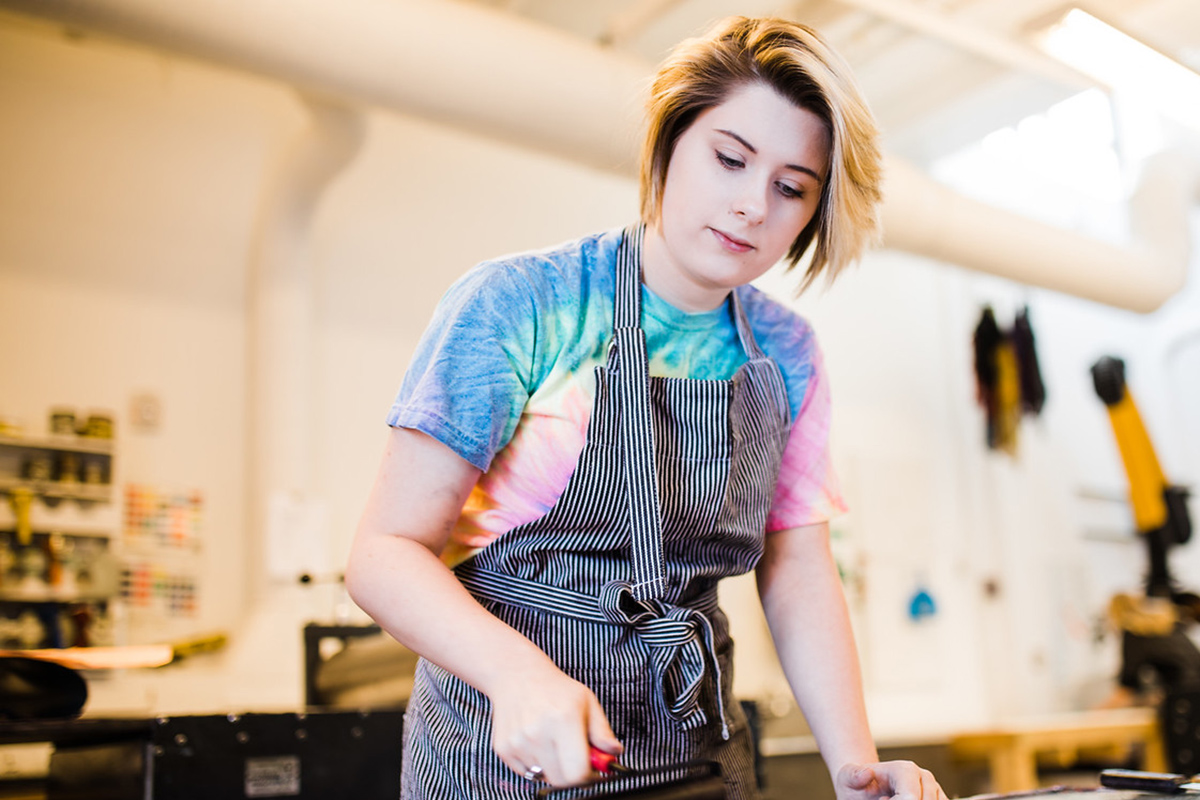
pixel 549 523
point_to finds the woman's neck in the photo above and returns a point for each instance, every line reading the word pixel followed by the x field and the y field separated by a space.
pixel 668 279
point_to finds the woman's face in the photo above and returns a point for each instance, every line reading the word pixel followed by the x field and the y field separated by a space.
pixel 742 183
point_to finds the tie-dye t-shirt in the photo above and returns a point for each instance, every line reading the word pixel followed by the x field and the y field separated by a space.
pixel 503 376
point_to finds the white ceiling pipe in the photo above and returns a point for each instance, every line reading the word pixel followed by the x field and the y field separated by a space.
pixel 925 217
pixel 494 74
pixel 466 65
pixel 633 20
pixel 281 326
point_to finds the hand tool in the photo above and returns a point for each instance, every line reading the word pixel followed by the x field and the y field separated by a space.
pixel 1163 782
pixel 692 780
pixel 606 763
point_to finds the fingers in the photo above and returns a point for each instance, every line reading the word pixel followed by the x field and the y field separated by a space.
pixel 556 754
pixel 856 777
pixel 891 780
pixel 930 788
pixel 939 793
pixel 551 730
pixel 572 761
pixel 904 780
pixel 600 733
pixel 927 786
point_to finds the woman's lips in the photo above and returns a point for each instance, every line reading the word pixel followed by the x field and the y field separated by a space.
pixel 732 243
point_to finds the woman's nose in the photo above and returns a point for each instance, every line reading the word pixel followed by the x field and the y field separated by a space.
pixel 750 203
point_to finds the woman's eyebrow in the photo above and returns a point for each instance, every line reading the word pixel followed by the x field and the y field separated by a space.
pixel 753 149
pixel 743 142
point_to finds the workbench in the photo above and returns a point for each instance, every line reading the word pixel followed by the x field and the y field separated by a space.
pixel 1013 751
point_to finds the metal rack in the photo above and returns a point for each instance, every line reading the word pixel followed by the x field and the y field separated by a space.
pixel 58 573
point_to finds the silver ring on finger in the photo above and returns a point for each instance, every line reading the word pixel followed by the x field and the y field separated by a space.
pixel 535 773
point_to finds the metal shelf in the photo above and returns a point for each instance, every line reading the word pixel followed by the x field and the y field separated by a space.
pixel 60 490
pixel 60 444
pixel 50 595
pixel 86 512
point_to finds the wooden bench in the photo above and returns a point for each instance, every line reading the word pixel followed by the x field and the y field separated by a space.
pixel 1013 751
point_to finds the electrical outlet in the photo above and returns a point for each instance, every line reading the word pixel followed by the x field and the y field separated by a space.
pixel 145 412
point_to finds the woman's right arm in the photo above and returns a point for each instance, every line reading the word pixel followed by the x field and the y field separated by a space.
pixel 540 716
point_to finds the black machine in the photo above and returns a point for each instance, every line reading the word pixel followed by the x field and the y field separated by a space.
pixel 1154 645
pixel 308 756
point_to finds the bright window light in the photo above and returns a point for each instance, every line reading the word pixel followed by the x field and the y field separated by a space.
pixel 1128 66
pixel 1059 166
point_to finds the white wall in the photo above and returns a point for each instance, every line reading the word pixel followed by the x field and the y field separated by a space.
pixel 131 184
pixel 420 206
pixel 131 181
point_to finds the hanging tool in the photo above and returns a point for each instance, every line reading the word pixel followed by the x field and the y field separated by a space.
pixel 1160 510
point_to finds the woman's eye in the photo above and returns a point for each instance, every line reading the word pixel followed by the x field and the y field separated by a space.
pixel 787 190
pixel 729 162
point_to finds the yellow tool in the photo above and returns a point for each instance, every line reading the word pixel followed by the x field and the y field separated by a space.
pixel 1159 508
pixel 21 499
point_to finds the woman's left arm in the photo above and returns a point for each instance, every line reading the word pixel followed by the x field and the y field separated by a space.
pixel 806 610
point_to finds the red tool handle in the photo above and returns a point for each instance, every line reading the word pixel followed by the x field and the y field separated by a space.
pixel 605 763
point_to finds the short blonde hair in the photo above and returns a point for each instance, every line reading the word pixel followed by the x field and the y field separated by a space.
pixel 794 61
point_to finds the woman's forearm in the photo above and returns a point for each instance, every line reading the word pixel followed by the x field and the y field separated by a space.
pixel 415 598
pixel 540 716
pixel 806 610
pixel 395 574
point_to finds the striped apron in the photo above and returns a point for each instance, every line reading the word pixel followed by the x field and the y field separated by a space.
pixel 617 583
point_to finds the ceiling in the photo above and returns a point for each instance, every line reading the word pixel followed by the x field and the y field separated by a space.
pixel 938 73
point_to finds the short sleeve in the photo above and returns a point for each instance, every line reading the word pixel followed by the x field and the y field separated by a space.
pixel 469 378
pixel 807 491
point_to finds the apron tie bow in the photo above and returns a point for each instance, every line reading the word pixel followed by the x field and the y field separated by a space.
pixel 682 648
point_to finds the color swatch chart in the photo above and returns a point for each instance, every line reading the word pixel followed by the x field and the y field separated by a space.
pixel 162 519
pixel 154 587
pixel 161 541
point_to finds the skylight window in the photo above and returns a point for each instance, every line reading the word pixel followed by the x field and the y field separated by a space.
pixel 1129 66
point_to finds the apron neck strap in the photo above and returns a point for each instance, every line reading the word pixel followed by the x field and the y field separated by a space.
pixel 745 334
pixel 629 367
pixel 627 302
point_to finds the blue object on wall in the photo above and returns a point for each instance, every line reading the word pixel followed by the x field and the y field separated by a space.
pixel 922 605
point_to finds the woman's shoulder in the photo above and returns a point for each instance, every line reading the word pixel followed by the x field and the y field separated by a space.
pixel 789 339
pixel 777 327
pixel 556 268
pixel 532 284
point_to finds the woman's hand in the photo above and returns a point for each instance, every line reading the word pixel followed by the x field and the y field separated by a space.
pixel 547 720
pixel 902 780
pixel 541 717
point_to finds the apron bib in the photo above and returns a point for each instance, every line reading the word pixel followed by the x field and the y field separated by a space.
pixel 617 583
